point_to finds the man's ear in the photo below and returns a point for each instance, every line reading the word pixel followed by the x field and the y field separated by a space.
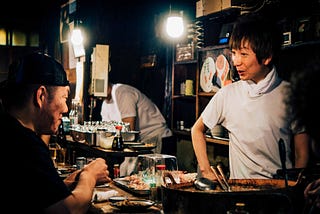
pixel 40 96
pixel 267 60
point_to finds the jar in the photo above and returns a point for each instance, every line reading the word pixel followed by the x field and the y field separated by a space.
pixel 80 162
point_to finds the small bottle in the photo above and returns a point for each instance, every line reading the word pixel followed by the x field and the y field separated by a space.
pixel 239 209
pixel 116 171
pixel 117 143
pixel 159 174
pixel 74 113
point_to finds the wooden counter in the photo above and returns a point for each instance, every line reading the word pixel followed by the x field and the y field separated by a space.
pixel 105 207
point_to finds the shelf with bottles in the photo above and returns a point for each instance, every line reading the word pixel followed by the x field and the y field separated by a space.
pixel 184 73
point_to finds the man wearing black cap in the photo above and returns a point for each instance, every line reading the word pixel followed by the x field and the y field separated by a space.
pixel 34 99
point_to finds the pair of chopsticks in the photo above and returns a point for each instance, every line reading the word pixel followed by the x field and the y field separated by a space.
pixel 223 182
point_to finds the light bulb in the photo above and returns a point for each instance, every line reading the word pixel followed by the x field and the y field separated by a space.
pixel 174 26
pixel 76 37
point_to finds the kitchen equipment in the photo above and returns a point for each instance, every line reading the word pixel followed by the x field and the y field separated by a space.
pixel 259 195
pixel 219 167
pixel 222 184
pixel 282 151
pixel 205 184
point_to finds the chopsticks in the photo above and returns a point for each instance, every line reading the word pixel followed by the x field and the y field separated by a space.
pixel 223 182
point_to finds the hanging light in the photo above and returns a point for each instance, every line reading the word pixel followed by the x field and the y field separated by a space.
pixel 77 41
pixel 175 25
pixel 76 37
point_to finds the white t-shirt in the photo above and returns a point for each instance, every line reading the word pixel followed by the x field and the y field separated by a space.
pixel 130 102
pixel 255 120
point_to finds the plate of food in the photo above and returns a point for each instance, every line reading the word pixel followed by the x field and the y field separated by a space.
pixel 208 71
pixel 133 205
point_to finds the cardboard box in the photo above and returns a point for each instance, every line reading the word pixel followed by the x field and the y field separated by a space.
pixel 211 6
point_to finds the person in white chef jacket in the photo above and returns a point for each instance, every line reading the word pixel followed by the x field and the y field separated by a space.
pixel 127 104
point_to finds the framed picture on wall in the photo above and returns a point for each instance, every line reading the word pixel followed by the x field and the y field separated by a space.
pixel 303 29
pixel 67 12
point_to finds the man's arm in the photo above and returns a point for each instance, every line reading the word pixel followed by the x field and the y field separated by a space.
pixel 200 148
pixel 301 147
pixel 132 121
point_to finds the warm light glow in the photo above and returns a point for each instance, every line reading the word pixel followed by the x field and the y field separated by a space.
pixel 174 26
pixel 76 37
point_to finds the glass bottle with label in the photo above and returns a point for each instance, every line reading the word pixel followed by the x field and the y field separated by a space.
pixel 117 143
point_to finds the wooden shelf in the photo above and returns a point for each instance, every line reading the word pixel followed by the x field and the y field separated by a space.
pixel 206 94
pixel 217 141
pixel 187 134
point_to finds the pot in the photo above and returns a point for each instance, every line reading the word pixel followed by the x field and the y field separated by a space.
pixel 259 195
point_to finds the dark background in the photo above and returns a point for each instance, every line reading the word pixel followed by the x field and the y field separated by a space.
pixel 132 29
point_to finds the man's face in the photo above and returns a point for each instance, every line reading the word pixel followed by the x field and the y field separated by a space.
pixel 53 109
pixel 247 65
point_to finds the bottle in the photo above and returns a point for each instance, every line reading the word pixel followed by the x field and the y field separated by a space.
pixel 116 171
pixel 159 174
pixel 73 114
pixel 239 209
pixel 117 143
pixel 61 136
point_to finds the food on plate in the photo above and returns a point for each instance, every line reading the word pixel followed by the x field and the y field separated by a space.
pixel 135 182
pixel 179 178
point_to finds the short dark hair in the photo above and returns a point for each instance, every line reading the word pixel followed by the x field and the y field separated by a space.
pixel 262 33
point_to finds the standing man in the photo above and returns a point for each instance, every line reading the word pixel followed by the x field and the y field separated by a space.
pixel 126 103
pixel 253 109
pixel 34 99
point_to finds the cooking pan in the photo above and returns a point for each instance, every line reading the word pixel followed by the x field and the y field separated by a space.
pixel 259 195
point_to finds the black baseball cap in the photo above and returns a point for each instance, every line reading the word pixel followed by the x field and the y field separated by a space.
pixel 37 68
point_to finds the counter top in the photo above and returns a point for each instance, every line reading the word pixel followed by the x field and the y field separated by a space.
pixel 106 207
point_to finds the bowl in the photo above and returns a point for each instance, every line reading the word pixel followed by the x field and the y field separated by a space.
pixel 105 140
pixel 217 131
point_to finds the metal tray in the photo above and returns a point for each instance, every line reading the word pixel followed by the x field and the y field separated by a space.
pixel 123 184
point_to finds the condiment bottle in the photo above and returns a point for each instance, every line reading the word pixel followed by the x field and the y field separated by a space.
pixel 117 143
pixel 116 171
pixel 159 174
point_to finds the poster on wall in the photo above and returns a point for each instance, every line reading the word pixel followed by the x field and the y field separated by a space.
pixel 216 68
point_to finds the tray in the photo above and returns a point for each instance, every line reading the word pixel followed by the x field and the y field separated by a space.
pixel 123 184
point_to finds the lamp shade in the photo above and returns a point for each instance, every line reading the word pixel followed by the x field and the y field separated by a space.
pixel 175 26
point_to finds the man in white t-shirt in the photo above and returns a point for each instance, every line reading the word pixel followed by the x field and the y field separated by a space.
pixel 253 109
pixel 127 104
